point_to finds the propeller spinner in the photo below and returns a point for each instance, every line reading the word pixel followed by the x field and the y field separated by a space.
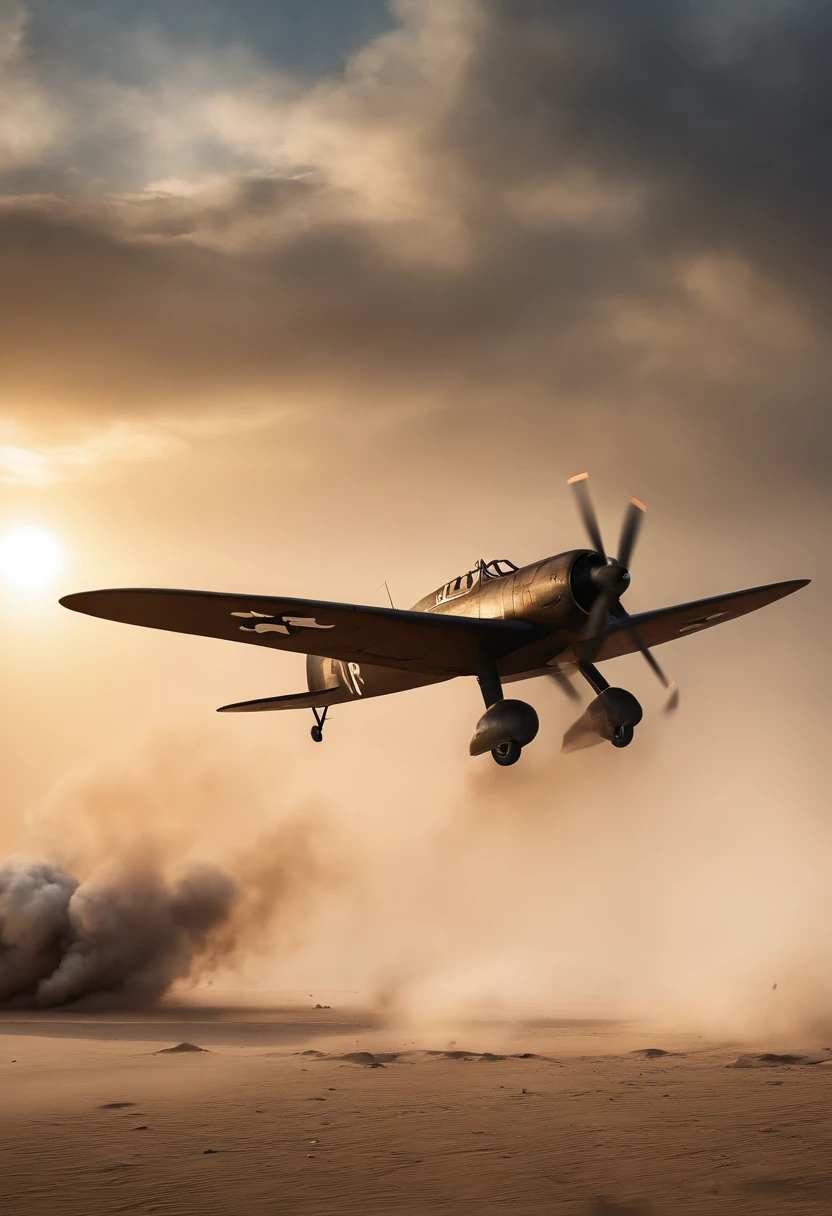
pixel 611 580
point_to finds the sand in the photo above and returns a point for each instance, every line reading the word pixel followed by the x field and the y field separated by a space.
pixel 289 1109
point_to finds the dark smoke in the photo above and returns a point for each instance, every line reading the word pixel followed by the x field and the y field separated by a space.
pixel 122 939
pixel 159 870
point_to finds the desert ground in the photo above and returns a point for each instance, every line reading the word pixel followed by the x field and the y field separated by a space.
pixel 292 1109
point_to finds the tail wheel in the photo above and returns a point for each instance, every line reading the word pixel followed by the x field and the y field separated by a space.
pixel 507 753
pixel 317 734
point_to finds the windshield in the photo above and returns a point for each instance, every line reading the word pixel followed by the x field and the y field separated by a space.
pixel 499 567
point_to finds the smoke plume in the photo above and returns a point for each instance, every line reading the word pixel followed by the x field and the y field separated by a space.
pixel 149 873
pixel 125 937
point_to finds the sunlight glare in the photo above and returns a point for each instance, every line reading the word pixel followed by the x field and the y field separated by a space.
pixel 30 557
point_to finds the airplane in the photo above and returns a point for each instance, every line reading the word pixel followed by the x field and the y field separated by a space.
pixel 497 623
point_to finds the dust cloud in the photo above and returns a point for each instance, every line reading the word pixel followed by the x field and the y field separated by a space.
pixel 682 881
pixel 644 884
pixel 129 900
pixel 127 937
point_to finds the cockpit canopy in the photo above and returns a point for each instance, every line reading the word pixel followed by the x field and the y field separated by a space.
pixel 482 572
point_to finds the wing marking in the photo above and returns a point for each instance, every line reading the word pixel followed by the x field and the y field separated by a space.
pixel 264 622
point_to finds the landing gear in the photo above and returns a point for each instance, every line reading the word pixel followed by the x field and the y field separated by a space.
pixel 623 736
pixel 506 726
pixel 507 753
pixel 317 731
pixel 613 715
pixel 593 678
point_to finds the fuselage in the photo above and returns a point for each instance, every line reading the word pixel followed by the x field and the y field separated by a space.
pixel 554 593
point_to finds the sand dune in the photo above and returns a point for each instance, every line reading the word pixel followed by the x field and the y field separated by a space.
pixel 293 1111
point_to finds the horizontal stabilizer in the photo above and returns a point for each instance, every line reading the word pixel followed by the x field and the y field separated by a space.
pixel 294 700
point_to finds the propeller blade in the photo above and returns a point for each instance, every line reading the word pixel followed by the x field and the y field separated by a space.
pixel 649 659
pixel 564 684
pixel 587 512
pixel 594 632
pixel 630 530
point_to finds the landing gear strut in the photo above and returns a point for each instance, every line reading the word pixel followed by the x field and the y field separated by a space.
pixel 593 678
pixel 317 731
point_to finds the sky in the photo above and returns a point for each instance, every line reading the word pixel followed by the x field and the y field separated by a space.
pixel 299 297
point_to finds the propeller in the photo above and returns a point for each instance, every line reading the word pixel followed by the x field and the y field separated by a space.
pixel 564 684
pixel 611 580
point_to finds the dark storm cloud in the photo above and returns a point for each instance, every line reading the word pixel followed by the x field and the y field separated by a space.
pixel 556 202
pixel 131 323
pixel 721 109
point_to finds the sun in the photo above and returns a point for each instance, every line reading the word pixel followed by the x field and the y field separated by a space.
pixel 30 557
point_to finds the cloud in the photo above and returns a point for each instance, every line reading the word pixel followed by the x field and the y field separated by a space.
pixel 29 118
pixel 41 465
pixel 553 209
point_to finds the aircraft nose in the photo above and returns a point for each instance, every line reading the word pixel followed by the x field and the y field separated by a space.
pixel 611 579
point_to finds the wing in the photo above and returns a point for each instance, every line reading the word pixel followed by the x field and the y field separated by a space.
pixel 440 645
pixel 667 624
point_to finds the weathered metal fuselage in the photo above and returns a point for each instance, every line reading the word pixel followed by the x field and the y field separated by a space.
pixel 554 594
pixel 542 592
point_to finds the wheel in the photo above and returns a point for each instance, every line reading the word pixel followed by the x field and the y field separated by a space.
pixel 507 753
pixel 623 736
pixel 317 734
